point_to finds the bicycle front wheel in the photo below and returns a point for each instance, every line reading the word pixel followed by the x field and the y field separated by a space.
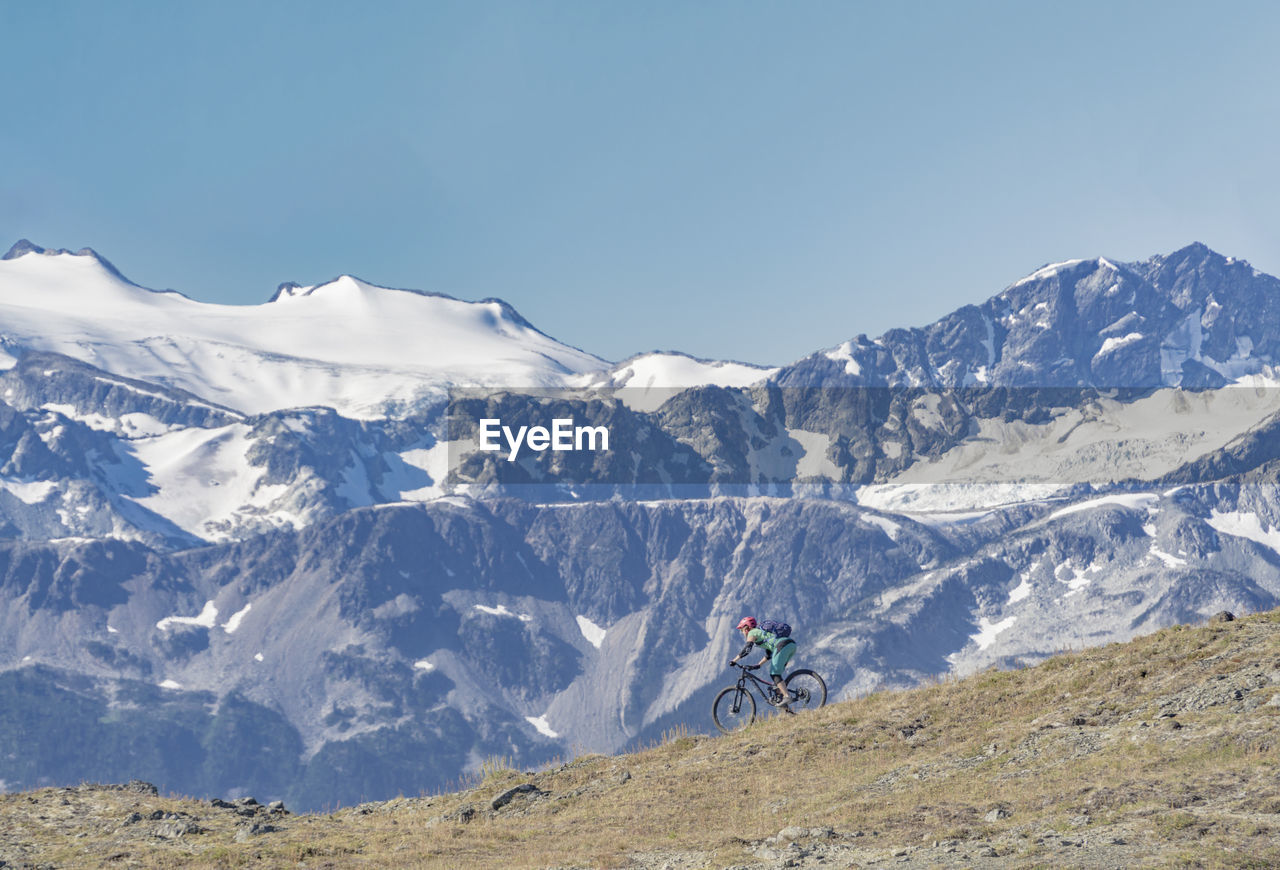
pixel 807 688
pixel 733 709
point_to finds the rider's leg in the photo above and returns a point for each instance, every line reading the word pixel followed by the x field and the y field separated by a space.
pixel 777 664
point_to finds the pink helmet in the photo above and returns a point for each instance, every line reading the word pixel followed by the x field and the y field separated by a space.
pixel 747 622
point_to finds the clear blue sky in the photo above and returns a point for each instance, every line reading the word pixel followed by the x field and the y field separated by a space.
pixel 745 180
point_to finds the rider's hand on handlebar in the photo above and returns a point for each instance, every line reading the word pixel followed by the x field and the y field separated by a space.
pixel 732 662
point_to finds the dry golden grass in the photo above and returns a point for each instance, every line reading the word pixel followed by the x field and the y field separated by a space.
pixel 1081 737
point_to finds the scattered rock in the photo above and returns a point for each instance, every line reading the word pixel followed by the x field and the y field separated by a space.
pixel 997 814
pixel 171 830
pixel 464 814
pixel 911 728
pixel 253 830
pixel 137 786
pixel 511 794
pixel 277 807
pixel 1223 616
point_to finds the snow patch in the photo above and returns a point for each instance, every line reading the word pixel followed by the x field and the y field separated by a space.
pixel 1245 525
pixel 1049 271
pixel 592 632
pixel 205 483
pixel 1112 344
pixel 1079 577
pixel 501 610
pixel 886 525
pixel 815 462
pixel 233 623
pixel 431 462
pixel 1185 343
pixel 1133 501
pixel 844 354
pixel 28 492
pixel 135 424
pixel 207 618
pixel 988 630
pixel 1023 589
pixel 1169 560
pixel 540 723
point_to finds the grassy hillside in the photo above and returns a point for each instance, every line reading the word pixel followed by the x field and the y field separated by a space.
pixel 1160 752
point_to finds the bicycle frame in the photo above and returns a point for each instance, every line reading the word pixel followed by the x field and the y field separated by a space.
pixel 767 690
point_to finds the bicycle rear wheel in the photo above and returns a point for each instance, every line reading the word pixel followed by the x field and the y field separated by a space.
pixel 733 709
pixel 807 688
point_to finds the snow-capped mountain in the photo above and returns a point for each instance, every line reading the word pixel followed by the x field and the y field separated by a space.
pixel 644 382
pixel 367 352
pixel 1191 319
pixel 261 549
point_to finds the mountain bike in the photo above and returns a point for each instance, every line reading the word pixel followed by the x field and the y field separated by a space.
pixel 735 707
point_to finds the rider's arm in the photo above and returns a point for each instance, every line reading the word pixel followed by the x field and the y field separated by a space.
pixel 745 651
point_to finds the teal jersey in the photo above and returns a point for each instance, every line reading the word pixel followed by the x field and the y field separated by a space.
pixel 766 639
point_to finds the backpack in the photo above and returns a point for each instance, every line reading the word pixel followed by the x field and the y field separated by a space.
pixel 777 629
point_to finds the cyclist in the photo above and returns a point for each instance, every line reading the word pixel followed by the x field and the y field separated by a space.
pixel 777 650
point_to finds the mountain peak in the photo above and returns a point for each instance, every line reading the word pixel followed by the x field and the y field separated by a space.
pixel 23 247
pixel 1196 252
pixel 288 289
pixel 1195 249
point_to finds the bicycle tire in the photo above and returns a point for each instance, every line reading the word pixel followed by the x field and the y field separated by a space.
pixel 729 720
pixel 808 690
